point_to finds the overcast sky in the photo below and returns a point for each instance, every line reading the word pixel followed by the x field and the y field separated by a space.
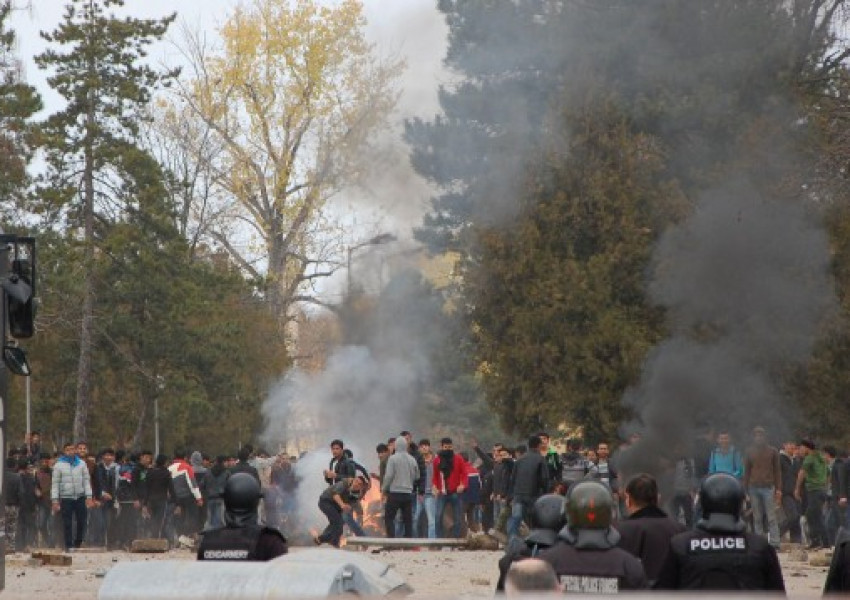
pixel 410 28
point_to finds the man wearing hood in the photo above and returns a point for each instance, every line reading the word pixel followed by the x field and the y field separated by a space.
pixel 397 488
pixel 241 538
pixel 719 555
pixel 70 493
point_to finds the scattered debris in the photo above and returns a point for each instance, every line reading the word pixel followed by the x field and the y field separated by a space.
pixel 51 558
pixel 798 555
pixel 186 542
pixel 820 560
pixel 149 545
pixel 482 541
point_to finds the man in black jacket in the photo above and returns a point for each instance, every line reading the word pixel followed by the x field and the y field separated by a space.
pixel 502 473
pixel 242 465
pixel 106 473
pixel 529 481
pixel 647 531
pixel 789 464
pixel 489 462
pixel 158 495
pixel 340 467
pixel 719 555
pixel 26 534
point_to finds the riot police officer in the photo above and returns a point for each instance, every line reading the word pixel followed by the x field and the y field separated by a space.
pixel 719 554
pixel 838 578
pixel 241 538
pixel 586 557
pixel 548 517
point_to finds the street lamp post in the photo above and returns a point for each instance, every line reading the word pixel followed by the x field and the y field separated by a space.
pixel 160 386
pixel 384 238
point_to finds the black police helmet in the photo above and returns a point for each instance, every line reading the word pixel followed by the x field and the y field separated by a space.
pixel 721 493
pixel 590 505
pixel 549 512
pixel 242 493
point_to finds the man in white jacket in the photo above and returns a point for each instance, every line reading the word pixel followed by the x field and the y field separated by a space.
pixel 397 488
pixel 70 493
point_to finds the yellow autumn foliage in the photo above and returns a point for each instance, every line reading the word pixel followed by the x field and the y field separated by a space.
pixel 292 95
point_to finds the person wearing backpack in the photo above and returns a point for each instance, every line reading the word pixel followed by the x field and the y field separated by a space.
pixel 725 458
pixel 449 482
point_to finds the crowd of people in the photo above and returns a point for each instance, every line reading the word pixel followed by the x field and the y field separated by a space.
pixel 493 489
pixel 111 498
pixel 711 518
pixel 797 492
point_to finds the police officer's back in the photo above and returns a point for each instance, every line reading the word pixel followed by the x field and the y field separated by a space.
pixel 242 538
pixel 719 554
pixel 838 578
pixel 586 557
pixel 548 517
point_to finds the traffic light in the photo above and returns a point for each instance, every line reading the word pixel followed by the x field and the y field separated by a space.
pixel 17 278
pixel 21 305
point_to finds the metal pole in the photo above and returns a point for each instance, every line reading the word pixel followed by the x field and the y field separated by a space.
pixel 29 407
pixel 4 389
pixel 156 425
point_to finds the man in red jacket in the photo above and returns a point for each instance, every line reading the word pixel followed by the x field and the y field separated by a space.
pixel 449 480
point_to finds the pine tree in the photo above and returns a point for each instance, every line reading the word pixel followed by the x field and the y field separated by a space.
pixel 97 64
pixel 542 216
pixel 18 103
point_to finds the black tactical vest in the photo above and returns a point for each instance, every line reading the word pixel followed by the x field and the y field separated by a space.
pixel 230 543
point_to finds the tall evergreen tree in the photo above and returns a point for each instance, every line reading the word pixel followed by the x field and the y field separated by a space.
pixel 706 90
pixel 97 64
pixel 18 103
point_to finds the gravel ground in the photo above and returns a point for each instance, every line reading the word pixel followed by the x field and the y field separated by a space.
pixel 432 574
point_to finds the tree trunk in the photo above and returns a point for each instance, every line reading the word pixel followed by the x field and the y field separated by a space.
pixel 84 365
pixel 140 426
pixel 278 302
